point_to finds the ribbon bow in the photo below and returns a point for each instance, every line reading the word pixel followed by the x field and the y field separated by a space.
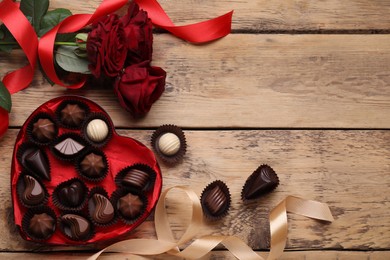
pixel 201 246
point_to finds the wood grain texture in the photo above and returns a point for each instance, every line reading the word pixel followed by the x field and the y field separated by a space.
pixel 289 81
pixel 215 255
pixel 346 169
pixel 277 15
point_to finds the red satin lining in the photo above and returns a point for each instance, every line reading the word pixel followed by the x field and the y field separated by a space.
pixel 25 35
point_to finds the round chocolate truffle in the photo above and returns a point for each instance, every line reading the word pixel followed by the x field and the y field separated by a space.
pixel 76 227
pixel 101 209
pixel 41 226
pixel 93 165
pixel 130 206
pixel 97 130
pixel 44 130
pixel 72 115
pixel 169 144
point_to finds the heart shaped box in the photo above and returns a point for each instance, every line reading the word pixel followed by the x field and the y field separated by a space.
pixel 121 153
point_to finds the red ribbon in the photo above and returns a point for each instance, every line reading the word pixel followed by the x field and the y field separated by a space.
pixel 25 35
pixel 202 32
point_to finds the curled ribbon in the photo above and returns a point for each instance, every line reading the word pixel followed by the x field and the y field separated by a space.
pixel 165 242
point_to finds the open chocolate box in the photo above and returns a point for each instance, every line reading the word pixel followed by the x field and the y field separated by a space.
pixel 75 181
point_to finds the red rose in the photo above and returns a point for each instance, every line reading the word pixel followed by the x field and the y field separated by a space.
pixel 139 37
pixel 4 121
pixel 106 47
pixel 139 87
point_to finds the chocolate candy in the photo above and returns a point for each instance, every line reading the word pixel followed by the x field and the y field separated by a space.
pixel 33 193
pixel 72 115
pixel 69 147
pixel 35 160
pixel 261 181
pixel 71 194
pixel 136 178
pixel 41 226
pixel 44 130
pixel 169 144
pixel 101 209
pixel 130 206
pixel 93 165
pixel 76 227
pixel 97 130
pixel 215 200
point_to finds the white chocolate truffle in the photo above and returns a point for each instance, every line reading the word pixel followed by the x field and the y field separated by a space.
pixel 169 144
pixel 97 130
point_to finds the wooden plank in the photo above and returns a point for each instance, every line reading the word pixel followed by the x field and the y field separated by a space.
pixel 310 255
pixel 335 81
pixel 277 15
pixel 349 170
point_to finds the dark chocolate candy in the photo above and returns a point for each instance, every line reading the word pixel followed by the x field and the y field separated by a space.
pixel 261 181
pixel 36 161
pixel 93 165
pixel 69 146
pixel 33 193
pixel 130 206
pixel 72 115
pixel 75 226
pixel 136 178
pixel 44 130
pixel 215 199
pixel 72 195
pixel 101 209
pixel 41 226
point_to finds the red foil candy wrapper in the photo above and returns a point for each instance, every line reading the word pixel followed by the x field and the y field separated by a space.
pixel 119 153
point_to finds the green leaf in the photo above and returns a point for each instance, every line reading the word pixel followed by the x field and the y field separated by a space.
pixel 68 60
pixel 52 18
pixel 5 98
pixel 7 37
pixel 35 9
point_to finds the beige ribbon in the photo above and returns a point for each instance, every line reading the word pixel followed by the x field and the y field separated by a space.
pixel 165 242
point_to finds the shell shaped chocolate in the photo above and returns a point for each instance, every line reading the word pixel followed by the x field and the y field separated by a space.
pixel 76 227
pixel 69 147
pixel 260 182
pixel 215 200
pixel 103 211
pixel 33 193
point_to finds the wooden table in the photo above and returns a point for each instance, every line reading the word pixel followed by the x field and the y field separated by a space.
pixel 303 86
